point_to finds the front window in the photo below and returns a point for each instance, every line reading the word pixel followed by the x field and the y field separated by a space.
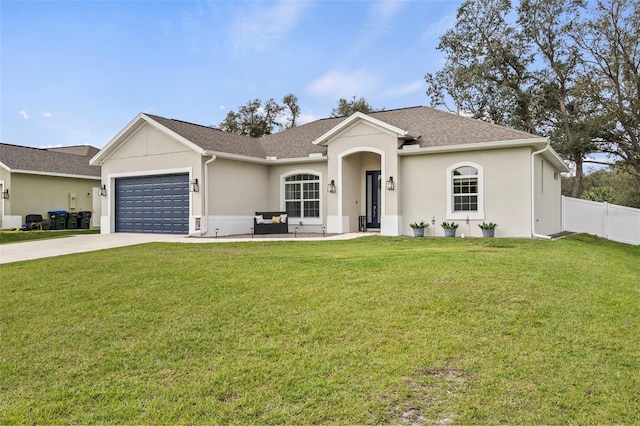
pixel 465 197
pixel 465 189
pixel 302 196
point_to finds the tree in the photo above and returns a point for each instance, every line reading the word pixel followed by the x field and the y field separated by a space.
pixel 255 120
pixel 611 43
pixel 487 67
pixel 613 184
pixel 346 107
pixel 291 104
pixel 561 110
pixel 525 74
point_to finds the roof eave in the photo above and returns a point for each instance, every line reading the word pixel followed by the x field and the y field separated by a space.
pixel 66 175
pixel 267 160
pixel 537 143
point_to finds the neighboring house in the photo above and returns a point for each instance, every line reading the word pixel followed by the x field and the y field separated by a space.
pixel 387 168
pixel 36 181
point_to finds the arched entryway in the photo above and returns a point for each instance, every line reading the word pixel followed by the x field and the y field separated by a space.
pixel 361 179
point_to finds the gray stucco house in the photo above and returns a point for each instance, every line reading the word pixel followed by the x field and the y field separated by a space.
pixel 39 180
pixel 389 168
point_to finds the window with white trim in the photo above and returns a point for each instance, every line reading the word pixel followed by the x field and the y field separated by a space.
pixel 302 195
pixel 464 188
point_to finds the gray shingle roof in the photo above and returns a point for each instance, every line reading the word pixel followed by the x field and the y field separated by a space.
pixel 441 128
pixel 435 127
pixel 65 160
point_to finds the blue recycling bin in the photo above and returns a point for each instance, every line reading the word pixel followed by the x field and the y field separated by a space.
pixel 58 219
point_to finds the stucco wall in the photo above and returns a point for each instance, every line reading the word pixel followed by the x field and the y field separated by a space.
pixel 37 194
pixel 238 188
pixel 548 198
pixel 506 186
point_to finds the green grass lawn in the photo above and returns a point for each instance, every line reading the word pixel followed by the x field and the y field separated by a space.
pixel 370 331
pixel 21 236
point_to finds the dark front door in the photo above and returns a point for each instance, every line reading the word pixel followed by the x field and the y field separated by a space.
pixel 374 193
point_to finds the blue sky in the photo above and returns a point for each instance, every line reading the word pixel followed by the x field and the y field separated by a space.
pixel 77 72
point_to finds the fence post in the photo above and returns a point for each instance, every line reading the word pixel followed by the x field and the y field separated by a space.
pixel 606 220
pixel 563 214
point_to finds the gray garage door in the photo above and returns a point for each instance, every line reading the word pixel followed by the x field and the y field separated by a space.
pixel 153 204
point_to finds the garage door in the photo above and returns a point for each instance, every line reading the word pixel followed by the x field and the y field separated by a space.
pixel 153 204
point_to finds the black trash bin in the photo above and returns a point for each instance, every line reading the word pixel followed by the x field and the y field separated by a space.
pixel 84 220
pixel 58 219
pixel 72 220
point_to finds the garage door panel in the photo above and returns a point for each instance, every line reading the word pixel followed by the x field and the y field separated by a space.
pixel 153 204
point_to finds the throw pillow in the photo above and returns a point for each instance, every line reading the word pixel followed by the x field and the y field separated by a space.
pixel 283 218
pixel 275 219
pixel 259 219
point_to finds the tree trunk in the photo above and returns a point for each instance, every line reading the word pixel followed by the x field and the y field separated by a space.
pixel 576 190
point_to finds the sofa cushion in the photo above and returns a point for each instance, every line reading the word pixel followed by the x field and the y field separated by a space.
pixel 275 219
pixel 259 219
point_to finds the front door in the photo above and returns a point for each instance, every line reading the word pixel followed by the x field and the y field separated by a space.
pixel 374 195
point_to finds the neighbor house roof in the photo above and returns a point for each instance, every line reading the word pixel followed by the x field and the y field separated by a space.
pixel 418 127
pixel 72 161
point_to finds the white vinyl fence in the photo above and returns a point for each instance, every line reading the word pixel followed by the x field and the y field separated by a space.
pixel 617 223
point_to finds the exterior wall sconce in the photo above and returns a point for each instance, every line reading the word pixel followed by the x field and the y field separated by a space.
pixel 5 194
pixel 103 191
pixel 390 184
pixel 332 186
pixel 194 187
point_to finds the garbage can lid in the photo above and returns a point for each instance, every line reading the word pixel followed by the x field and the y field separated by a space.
pixel 58 212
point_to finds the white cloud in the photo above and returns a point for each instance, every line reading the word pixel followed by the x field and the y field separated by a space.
pixel 47 114
pixel 341 84
pixel 223 107
pixel 438 28
pixel 386 10
pixel 306 118
pixel 406 90
pixel 265 24
pixel 380 21
pixel 24 114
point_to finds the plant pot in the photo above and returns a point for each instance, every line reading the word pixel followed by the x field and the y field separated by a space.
pixel 450 232
pixel 488 233
pixel 418 232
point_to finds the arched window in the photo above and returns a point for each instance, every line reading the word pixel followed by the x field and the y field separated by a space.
pixel 302 195
pixel 465 195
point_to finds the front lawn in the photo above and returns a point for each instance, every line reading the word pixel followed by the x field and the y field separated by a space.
pixel 369 331
pixel 20 236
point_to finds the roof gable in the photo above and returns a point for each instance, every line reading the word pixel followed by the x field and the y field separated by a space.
pixel 359 117
pixel 131 128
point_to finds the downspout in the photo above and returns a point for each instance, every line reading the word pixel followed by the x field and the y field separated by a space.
pixel 205 198
pixel 533 194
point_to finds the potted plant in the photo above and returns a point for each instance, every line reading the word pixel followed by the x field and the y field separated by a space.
pixel 449 228
pixel 418 228
pixel 488 229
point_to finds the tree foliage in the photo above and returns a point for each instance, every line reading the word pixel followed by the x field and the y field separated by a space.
pixel 347 107
pixel 255 120
pixel 530 68
pixel 611 42
pixel 614 185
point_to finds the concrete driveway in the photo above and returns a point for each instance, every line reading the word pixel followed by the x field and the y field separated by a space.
pixel 39 249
